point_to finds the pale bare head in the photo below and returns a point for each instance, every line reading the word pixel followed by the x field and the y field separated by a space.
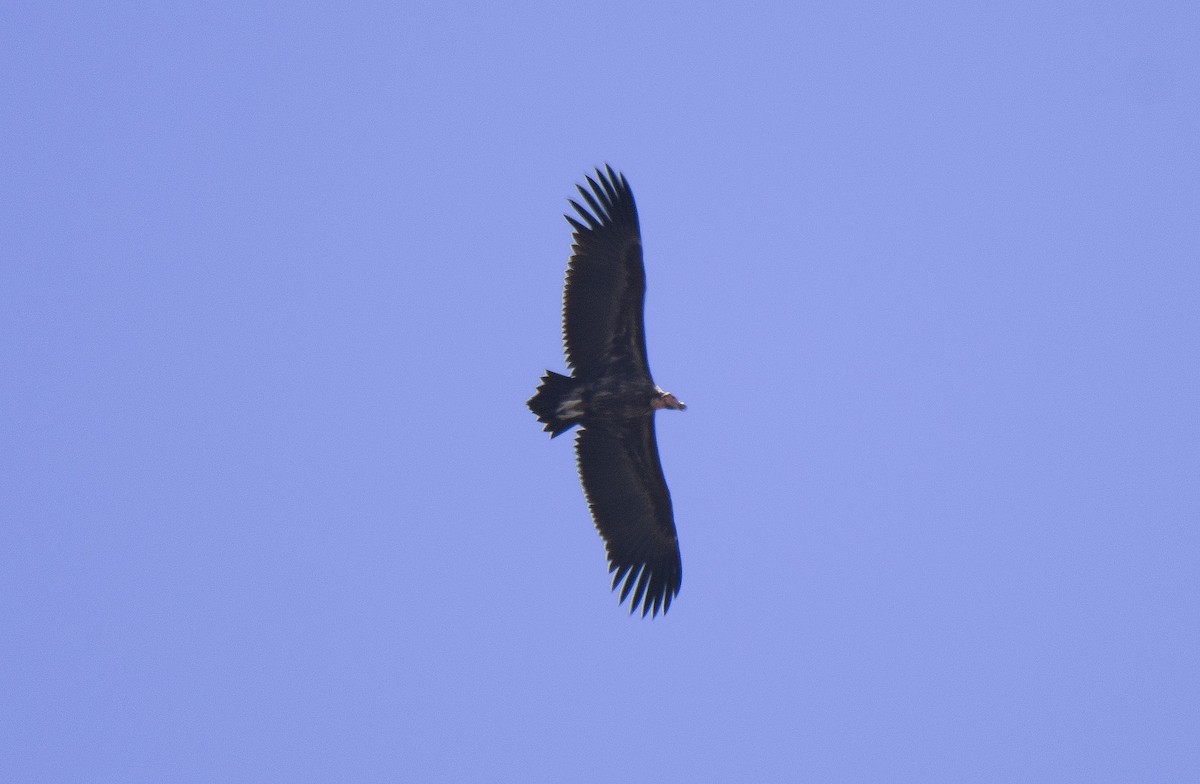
pixel 667 400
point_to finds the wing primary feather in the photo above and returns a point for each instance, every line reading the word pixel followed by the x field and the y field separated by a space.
pixel 640 592
pixel 601 213
pixel 592 222
pixel 616 178
pixel 609 184
pixel 602 194
pixel 578 227
pixel 630 579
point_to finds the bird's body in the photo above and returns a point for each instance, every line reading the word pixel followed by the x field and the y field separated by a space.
pixel 608 399
pixel 612 396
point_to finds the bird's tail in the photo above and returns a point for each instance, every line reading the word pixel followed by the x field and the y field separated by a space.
pixel 547 402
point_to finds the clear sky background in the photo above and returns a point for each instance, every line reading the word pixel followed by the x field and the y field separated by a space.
pixel 278 279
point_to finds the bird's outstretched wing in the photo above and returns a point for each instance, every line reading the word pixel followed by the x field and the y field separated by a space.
pixel 631 505
pixel 606 281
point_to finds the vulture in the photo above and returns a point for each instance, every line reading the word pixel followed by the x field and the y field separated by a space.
pixel 612 397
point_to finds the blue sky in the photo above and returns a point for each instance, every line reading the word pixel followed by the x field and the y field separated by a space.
pixel 277 281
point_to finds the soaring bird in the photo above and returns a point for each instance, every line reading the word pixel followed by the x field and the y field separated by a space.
pixel 612 397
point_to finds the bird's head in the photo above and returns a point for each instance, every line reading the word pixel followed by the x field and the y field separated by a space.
pixel 667 400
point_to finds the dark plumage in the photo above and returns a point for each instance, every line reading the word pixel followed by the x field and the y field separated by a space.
pixel 612 396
